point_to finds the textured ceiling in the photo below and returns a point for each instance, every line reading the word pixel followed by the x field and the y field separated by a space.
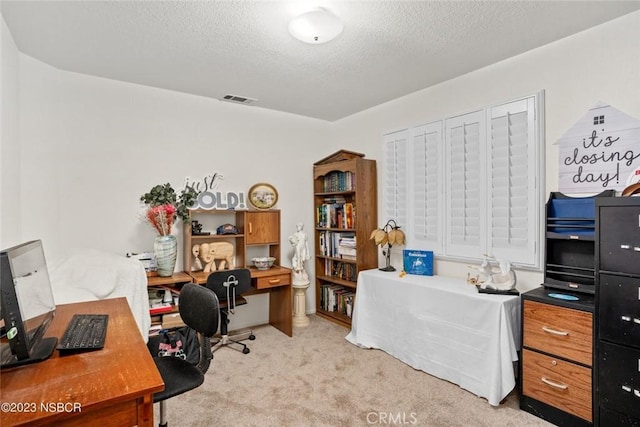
pixel 212 48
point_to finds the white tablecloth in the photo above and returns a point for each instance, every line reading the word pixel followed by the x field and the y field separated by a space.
pixel 443 326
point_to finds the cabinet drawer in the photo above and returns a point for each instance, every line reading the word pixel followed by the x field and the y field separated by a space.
pixel 560 331
pixel 619 378
pixel 619 309
pixel 561 384
pixel 619 233
pixel 273 281
pixel 612 418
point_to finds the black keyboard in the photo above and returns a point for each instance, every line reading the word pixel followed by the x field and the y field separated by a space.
pixel 84 332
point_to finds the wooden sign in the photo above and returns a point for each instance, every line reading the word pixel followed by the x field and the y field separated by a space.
pixel 600 152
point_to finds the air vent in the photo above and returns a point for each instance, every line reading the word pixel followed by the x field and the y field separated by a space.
pixel 238 99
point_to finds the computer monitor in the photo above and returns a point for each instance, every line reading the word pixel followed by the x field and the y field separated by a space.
pixel 27 305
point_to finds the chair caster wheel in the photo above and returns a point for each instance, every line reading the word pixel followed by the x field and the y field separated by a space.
pixel 246 350
pixel 252 337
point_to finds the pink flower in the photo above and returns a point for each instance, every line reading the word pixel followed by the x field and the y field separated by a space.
pixel 161 218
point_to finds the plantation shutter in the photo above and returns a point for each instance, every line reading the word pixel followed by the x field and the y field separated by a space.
pixel 395 188
pixel 513 193
pixel 465 196
pixel 427 175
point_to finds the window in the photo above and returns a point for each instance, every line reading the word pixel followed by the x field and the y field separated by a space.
pixel 395 187
pixel 474 183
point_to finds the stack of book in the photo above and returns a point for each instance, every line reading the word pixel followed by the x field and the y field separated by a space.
pixel 334 244
pixel 335 213
pixel 339 181
pixel 347 246
pixel 162 309
pixel 336 298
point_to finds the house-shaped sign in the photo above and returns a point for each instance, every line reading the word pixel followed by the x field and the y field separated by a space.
pixel 600 152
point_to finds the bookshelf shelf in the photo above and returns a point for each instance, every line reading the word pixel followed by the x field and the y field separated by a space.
pixel 345 203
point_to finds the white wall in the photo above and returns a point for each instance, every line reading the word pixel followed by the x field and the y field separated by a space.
pixel 600 64
pixel 10 223
pixel 99 144
pixel 91 147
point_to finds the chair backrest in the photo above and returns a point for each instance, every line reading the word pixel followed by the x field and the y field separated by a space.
pixel 223 281
pixel 199 309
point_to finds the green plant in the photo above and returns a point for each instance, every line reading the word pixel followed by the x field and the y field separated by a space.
pixel 161 195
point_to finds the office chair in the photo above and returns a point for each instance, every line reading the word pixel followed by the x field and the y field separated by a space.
pixel 199 310
pixel 228 286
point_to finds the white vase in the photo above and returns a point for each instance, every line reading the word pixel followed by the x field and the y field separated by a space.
pixel 166 250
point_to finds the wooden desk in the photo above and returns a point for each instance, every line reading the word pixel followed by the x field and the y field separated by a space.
pixel 277 282
pixel 112 386
pixel 443 326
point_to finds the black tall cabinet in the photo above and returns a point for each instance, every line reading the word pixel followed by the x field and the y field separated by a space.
pixel 618 311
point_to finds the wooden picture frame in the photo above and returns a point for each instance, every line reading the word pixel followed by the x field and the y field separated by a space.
pixel 263 196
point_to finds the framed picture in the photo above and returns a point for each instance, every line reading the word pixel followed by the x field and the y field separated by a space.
pixel 263 196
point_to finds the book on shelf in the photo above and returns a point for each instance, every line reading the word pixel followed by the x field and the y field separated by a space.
pixel 336 298
pixel 345 252
pixel 349 300
pixel 339 181
pixel 335 215
pixel 335 199
pixel 343 270
pixel 159 309
pixel 349 215
pixel 345 303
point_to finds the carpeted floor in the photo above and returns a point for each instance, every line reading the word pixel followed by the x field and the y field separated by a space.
pixel 317 378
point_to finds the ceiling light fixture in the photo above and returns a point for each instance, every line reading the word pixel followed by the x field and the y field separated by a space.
pixel 316 27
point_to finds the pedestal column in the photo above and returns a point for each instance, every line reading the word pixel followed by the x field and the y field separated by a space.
pixel 299 304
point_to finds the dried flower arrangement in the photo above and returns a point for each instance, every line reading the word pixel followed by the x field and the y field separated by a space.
pixel 165 206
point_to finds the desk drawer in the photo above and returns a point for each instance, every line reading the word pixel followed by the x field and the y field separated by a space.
pixel 557 330
pixel 273 281
pixel 564 385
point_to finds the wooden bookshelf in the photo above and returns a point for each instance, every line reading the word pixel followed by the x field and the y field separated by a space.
pixel 345 204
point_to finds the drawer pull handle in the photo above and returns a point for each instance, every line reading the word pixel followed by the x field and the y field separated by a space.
pixel 274 281
pixel 554 332
pixel 636 248
pixel 250 228
pixel 626 318
pixel 554 384
pixel 625 247
pixel 636 320
pixel 626 388
pixel 636 392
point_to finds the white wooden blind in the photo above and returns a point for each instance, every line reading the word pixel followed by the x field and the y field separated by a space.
pixel 427 174
pixel 474 183
pixel 466 208
pixel 513 192
pixel 395 188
